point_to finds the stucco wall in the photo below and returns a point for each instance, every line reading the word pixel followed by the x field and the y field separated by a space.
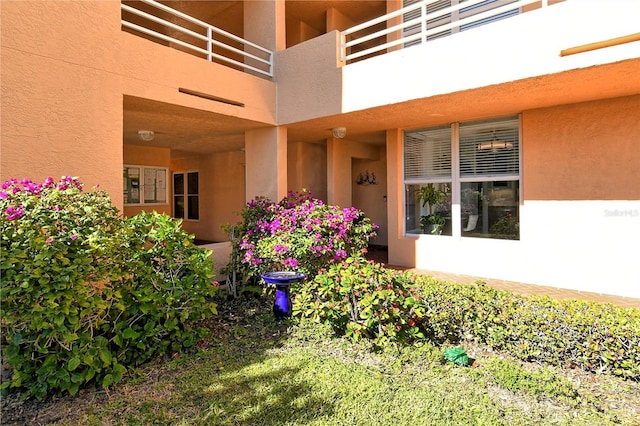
pixel 581 213
pixel 586 151
pixel 307 168
pixel 65 69
pixel 221 192
pixel 151 71
pixel 61 103
pixel 319 92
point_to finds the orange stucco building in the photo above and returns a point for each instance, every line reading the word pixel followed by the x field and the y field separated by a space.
pixel 523 115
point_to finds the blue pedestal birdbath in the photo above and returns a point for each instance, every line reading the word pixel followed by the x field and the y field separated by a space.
pixel 282 280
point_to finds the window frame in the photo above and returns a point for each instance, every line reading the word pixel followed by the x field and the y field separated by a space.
pixel 186 194
pixel 142 185
pixel 457 179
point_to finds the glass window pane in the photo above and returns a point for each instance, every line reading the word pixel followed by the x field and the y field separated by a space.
pixel 490 209
pixel 193 212
pixel 428 208
pixel 192 183
pixel 154 185
pixel 131 185
pixel 427 154
pixel 490 148
pixel 178 207
pixel 178 183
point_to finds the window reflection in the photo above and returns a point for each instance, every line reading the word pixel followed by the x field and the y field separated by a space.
pixel 490 209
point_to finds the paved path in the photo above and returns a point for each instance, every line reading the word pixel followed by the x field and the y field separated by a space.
pixel 516 287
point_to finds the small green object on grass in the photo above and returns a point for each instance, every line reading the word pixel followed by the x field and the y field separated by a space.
pixel 457 356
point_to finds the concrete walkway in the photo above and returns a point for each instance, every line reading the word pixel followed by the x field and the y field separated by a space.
pixel 530 289
pixel 380 255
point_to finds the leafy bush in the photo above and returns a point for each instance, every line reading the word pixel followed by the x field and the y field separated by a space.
pixel 360 298
pixel 593 336
pixel 85 294
pixel 299 233
pixel 171 290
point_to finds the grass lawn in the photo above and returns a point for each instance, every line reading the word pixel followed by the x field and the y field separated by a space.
pixel 254 371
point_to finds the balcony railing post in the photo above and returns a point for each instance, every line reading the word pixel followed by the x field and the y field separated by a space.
pixel 209 44
pixel 423 22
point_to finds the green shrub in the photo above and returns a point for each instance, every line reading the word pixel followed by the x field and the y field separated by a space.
pixel 360 298
pixel 589 335
pixel 299 233
pixel 80 286
pixel 171 291
pixel 594 336
pixel 57 285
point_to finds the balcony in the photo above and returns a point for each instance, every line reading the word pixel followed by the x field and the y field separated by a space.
pixel 162 24
pixel 565 52
pixel 423 21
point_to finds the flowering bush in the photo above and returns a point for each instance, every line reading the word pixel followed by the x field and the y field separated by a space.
pixel 85 293
pixel 299 233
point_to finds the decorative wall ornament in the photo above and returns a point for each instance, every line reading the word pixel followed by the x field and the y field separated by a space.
pixel 366 178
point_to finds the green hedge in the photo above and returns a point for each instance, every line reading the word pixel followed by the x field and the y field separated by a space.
pixel 592 336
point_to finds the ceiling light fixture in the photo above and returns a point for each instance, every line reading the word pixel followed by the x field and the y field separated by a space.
pixel 146 135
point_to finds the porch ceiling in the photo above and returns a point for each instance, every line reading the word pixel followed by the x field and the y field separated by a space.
pixel 186 131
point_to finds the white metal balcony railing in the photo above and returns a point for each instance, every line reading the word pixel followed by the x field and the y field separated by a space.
pixel 421 22
pixel 214 43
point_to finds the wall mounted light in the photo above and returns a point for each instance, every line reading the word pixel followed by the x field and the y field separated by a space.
pixel 339 132
pixel 146 135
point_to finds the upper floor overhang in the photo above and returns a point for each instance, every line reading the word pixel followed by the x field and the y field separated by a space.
pixel 569 52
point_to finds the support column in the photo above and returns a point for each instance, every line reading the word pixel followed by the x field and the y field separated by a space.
pixel 264 23
pixel 266 163
pixel 402 251
pixel 338 173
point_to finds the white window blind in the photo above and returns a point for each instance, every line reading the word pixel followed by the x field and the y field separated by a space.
pixel 427 155
pixel 483 7
pixel 453 16
pixel 431 23
pixel 490 149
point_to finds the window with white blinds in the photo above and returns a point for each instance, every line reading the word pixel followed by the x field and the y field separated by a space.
pixel 483 177
pixel 452 16
pixel 490 149
pixel 427 155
